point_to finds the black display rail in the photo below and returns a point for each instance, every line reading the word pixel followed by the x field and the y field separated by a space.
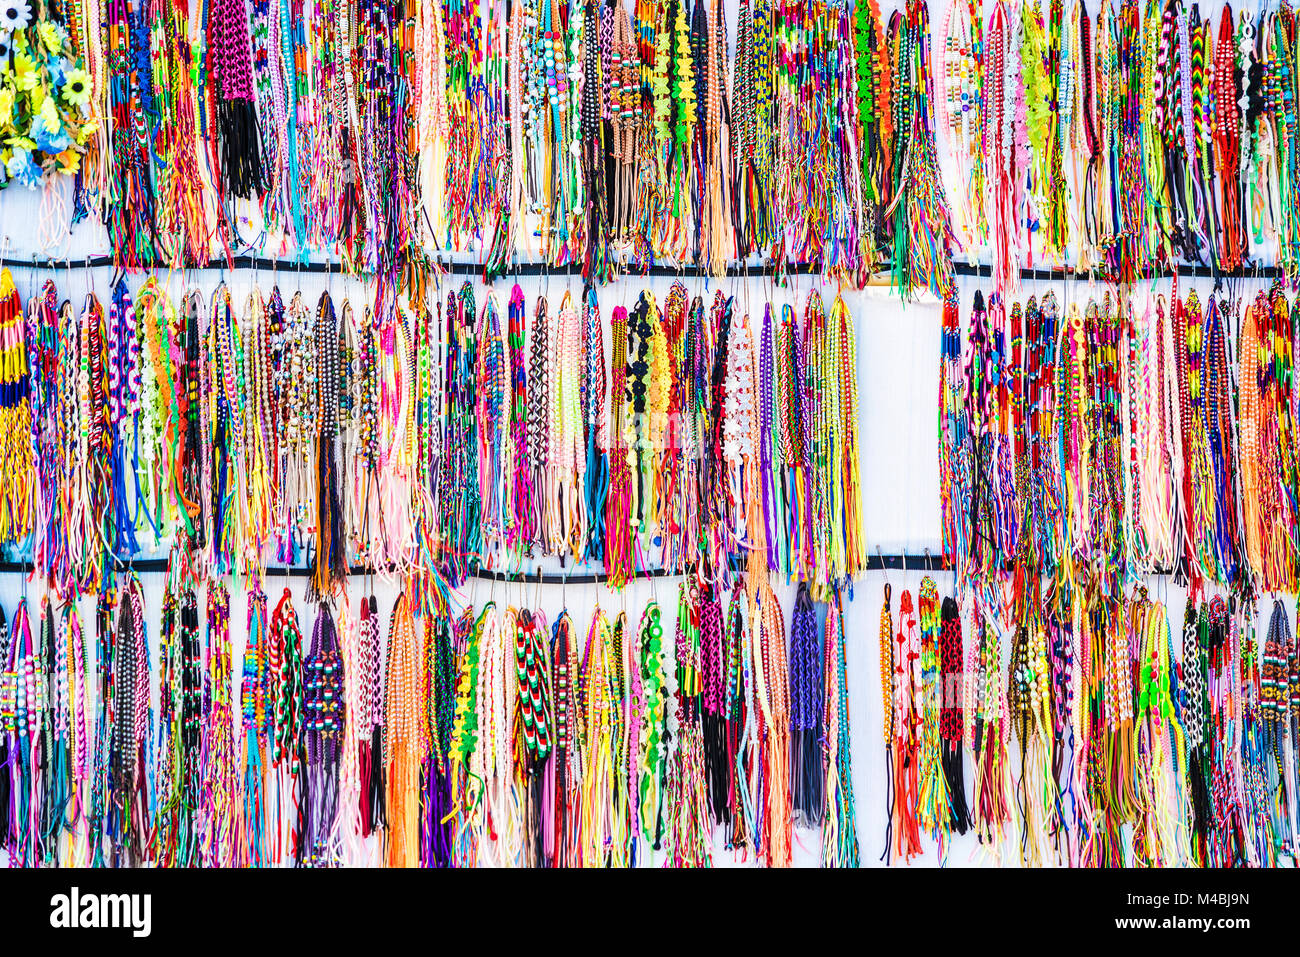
pixel 740 269
pixel 925 562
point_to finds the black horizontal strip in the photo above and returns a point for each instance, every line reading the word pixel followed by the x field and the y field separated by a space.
pixel 924 562
pixel 735 269
pixel 460 267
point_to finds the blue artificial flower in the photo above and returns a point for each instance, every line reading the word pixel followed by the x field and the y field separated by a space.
pixel 47 130
pixel 22 169
pixel 58 67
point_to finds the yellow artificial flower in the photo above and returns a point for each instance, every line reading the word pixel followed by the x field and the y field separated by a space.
pixel 25 75
pixel 85 132
pixel 6 103
pixel 50 36
pixel 69 160
pixel 76 87
pixel 48 111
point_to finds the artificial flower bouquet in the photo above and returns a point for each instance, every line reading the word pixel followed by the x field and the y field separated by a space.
pixel 44 97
